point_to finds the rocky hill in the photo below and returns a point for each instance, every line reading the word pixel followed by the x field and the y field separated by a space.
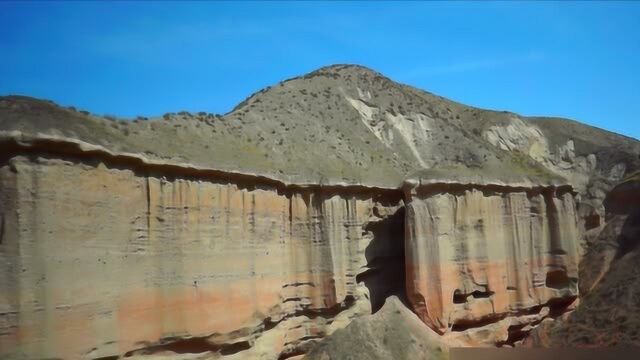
pixel 258 233
pixel 343 124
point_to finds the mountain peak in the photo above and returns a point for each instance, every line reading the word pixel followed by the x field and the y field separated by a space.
pixel 341 123
pixel 345 72
pixel 343 69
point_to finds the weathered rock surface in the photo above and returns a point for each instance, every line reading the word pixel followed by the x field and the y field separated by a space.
pixel 258 233
pixel 101 259
pixel 609 281
pixel 591 160
pixel 477 255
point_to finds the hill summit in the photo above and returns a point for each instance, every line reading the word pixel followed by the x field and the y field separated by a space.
pixel 344 124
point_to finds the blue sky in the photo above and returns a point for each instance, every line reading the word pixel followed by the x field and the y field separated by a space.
pixel 577 60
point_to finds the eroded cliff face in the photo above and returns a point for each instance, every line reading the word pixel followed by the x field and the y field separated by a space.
pixel 609 309
pixel 102 258
pixel 258 232
pixel 107 254
pixel 593 161
pixel 487 263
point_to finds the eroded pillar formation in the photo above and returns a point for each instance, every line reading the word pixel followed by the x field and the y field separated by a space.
pixel 480 256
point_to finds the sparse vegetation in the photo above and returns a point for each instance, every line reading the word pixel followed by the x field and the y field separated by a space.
pixel 286 119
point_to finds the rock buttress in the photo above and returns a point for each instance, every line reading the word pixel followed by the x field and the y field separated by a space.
pixel 489 258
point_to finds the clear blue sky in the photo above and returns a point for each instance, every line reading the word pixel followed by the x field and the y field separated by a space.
pixel 577 60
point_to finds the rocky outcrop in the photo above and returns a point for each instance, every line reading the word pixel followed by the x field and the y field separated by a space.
pixel 493 257
pixel 609 281
pixel 592 161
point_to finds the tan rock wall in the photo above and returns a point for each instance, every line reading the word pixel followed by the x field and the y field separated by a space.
pixel 478 255
pixel 105 254
pixel 98 260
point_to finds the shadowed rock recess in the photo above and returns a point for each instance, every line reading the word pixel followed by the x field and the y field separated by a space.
pixel 335 200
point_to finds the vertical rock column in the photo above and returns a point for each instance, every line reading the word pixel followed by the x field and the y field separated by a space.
pixel 477 255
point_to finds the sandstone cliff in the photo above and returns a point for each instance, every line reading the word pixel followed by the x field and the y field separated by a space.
pixel 486 262
pixel 108 253
pixel 609 281
pixel 102 256
pixel 260 232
